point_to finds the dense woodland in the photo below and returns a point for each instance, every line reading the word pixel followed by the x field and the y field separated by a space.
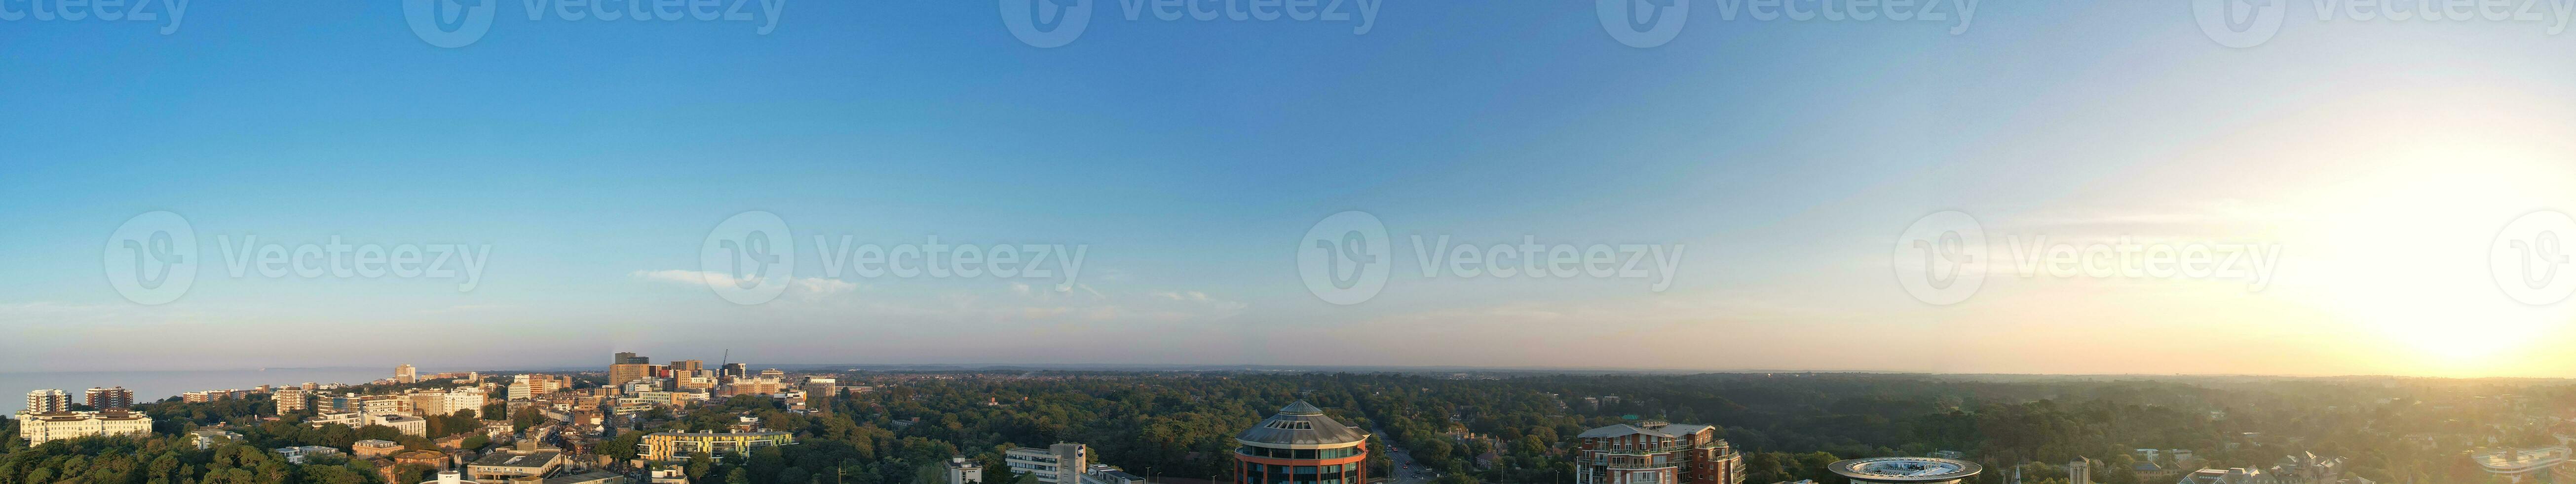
pixel 1181 425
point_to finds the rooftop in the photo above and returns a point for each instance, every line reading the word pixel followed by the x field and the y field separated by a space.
pixel 1300 423
pixel 1905 469
pixel 537 458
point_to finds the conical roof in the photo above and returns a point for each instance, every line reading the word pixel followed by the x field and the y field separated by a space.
pixel 1298 425
pixel 1300 408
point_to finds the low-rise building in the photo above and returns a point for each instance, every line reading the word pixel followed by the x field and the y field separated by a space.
pixel 524 461
pixel 667 476
pixel 374 448
pixel 305 454
pixel 962 471
pixel 1061 463
pixel 595 477
pixel 679 446
pixel 209 438
pixel 39 428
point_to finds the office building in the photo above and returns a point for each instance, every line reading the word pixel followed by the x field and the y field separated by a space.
pixel 1300 445
pixel 48 401
pixel 679 446
pixel 406 375
pixel 735 370
pixel 1906 470
pixel 113 398
pixel 1057 464
pixel 1655 452
pixel 39 428
pixel 962 471
pixel 819 391
pixel 628 367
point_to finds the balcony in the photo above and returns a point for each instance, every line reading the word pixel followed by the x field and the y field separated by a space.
pixel 1642 465
pixel 1642 449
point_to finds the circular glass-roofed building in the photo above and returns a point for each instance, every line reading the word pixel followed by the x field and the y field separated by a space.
pixel 1906 470
pixel 1301 446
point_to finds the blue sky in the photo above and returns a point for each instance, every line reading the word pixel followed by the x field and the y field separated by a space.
pixel 1190 156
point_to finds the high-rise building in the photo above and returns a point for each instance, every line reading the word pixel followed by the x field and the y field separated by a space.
pixel 1656 452
pixel 735 370
pixel 684 367
pixel 1061 463
pixel 1906 470
pixel 1301 445
pixel 819 391
pixel 113 398
pixel 2080 471
pixel 291 399
pixel 406 375
pixel 49 400
pixel 629 368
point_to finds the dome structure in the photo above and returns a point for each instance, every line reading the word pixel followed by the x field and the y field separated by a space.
pixel 1300 445
pixel 1300 425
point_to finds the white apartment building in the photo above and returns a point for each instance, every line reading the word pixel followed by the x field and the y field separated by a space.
pixel 432 403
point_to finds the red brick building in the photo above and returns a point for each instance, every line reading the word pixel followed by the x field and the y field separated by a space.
pixel 1301 446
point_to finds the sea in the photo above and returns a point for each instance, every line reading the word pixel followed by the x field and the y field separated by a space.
pixel 152 386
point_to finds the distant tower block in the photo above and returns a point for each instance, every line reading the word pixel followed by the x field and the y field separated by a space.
pixel 1906 470
pixel 2079 472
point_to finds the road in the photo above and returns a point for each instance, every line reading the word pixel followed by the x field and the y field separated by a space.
pixel 1404 475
